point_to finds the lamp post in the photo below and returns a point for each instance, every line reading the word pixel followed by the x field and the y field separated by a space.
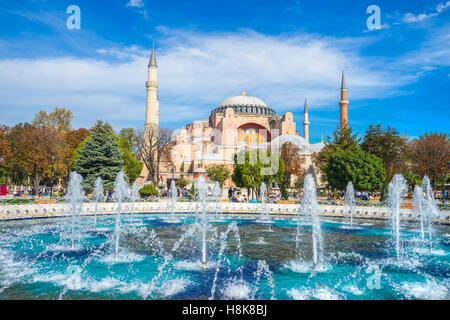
pixel 52 160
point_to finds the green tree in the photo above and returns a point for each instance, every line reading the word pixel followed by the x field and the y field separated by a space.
pixel 132 166
pixel 59 120
pixel 130 135
pixel 388 145
pixel 412 179
pixel 364 170
pixel 253 167
pixel 219 173
pixel 341 140
pixel 148 190
pixel 181 183
pixel 99 156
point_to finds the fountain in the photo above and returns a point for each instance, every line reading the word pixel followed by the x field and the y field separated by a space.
pixel 173 201
pixel 120 193
pixel 134 195
pixel 430 208
pixel 419 208
pixel 261 270
pixel 75 195
pixel 310 208
pixel 232 227
pixel 349 200
pixel 97 197
pixel 264 216
pixel 397 189
pixel 202 192
pixel 217 193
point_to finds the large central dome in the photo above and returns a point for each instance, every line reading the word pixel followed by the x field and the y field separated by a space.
pixel 245 104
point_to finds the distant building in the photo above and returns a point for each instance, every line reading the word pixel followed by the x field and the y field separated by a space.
pixel 240 122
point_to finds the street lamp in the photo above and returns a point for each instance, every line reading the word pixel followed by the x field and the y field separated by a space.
pixel 52 160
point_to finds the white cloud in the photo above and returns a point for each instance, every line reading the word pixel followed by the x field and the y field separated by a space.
pixel 412 18
pixel 135 3
pixel 196 73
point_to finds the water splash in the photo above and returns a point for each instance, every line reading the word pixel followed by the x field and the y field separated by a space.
pixel 134 195
pixel 202 192
pixel 264 270
pixel 232 227
pixel 349 200
pixel 431 209
pixel 264 216
pixel 173 202
pixel 397 189
pixel 98 196
pixel 310 207
pixel 419 208
pixel 120 193
pixel 75 194
pixel 217 193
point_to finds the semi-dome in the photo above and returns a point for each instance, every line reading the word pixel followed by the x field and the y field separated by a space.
pixel 300 142
pixel 244 104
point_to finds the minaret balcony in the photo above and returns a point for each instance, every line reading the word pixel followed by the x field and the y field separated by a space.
pixel 153 84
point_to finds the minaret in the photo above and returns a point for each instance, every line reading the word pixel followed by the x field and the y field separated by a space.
pixel 306 123
pixel 152 105
pixel 343 103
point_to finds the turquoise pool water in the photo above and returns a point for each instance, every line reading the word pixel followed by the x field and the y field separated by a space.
pixel 262 261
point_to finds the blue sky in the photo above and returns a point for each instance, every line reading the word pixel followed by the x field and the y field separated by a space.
pixel 280 51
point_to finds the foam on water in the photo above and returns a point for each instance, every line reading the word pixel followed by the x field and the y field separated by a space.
pixel 237 290
pixel 123 257
pixel 194 265
pixel 306 267
pixel 318 293
pixel 428 290
pixel 353 289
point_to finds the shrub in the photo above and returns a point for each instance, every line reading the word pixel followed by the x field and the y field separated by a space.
pixel 148 190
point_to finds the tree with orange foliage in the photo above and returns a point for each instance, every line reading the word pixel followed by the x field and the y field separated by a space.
pixel 40 143
pixel 70 142
pixel 431 156
pixel 293 162
pixel 4 154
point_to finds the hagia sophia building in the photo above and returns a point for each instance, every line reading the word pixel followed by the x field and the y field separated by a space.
pixel 240 122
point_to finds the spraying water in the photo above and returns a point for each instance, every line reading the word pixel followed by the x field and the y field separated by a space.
pixel 98 196
pixel 349 200
pixel 310 207
pixel 217 193
pixel 431 209
pixel 397 189
pixel 120 193
pixel 264 217
pixel 75 194
pixel 419 208
pixel 202 191
pixel 261 270
pixel 134 195
pixel 173 202
pixel 232 227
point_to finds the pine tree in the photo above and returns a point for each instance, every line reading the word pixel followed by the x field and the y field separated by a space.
pixel 99 156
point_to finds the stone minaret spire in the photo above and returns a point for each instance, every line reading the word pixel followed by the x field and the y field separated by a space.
pixel 343 103
pixel 306 122
pixel 152 105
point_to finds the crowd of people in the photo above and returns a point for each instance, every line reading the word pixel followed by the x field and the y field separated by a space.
pixel 234 194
